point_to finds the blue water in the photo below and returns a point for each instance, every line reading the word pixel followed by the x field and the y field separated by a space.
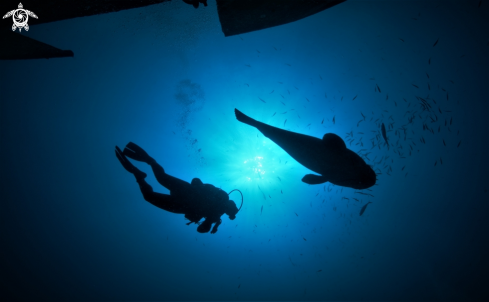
pixel 74 225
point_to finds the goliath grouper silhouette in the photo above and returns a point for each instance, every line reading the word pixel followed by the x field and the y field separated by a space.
pixel 328 157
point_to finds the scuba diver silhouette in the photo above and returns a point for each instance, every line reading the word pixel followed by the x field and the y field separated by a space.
pixel 196 200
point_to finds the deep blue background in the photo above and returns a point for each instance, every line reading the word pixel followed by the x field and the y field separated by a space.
pixel 74 225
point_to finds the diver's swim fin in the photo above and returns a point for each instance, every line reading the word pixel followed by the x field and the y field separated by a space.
pixel 128 165
pixel 314 179
pixel 137 153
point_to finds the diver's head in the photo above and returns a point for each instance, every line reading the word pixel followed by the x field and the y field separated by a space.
pixel 231 209
pixel 204 227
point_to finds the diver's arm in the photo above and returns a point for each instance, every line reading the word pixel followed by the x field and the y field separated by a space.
pixel 214 229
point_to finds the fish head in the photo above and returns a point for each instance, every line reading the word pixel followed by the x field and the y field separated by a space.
pixel 362 177
pixel 366 178
pixel 345 168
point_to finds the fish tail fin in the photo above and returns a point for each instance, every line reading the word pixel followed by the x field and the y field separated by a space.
pixel 240 116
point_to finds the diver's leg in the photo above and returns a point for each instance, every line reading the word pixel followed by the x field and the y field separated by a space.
pixel 171 183
pixel 162 201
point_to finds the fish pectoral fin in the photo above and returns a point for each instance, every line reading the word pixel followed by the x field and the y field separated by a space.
pixel 314 179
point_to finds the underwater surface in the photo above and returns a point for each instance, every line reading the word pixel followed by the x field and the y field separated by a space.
pixel 75 226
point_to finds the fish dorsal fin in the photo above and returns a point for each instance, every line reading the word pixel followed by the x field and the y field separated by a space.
pixel 196 181
pixel 333 141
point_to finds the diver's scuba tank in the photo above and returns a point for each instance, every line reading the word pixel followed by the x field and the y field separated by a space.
pixel 215 196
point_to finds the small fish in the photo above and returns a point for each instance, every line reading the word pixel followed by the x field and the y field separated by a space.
pixel 261 210
pixel 308 125
pixel 444 142
pixel 304 239
pixel 441 161
pixel 319 271
pixel 247 85
pixel 333 119
pixel 363 193
pixel 415 86
pixel 258 51
pixel 436 42
pixel 428 75
pixel 429 61
pixel 364 207
pixel 362 115
pixel 272 92
pixel 247 65
pixel 354 97
pixel 287 64
pixel 322 121
pixel 261 100
pixel 285 122
pixel 401 39
pixel 459 144
pixel 239 286
pixel 279 179
pixel 384 134
pixel 274 114
pixel 378 88
pixel 307 99
pixel 281 192
pixel 320 77
pixel 296 214
pixel 275 48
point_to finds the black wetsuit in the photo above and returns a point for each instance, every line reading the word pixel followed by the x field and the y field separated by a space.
pixel 194 199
